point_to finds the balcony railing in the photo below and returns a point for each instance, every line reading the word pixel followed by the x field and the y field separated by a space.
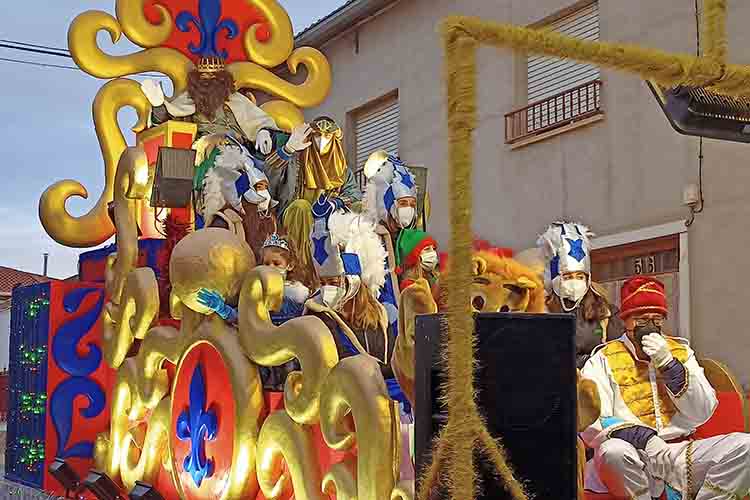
pixel 554 112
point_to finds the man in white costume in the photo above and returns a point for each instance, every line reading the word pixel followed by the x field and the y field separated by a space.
pixel 653 397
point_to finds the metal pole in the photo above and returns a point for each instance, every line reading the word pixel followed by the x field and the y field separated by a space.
pixel 46 260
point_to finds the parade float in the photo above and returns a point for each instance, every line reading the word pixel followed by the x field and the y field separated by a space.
pixel 250 334
pixel 236 340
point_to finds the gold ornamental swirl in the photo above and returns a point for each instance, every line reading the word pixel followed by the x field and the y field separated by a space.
pixel 133 293
pixel 82 40
pixel 283 440
pixel 133 182
pixel 138 29
pixel 285 114
pixel 310 93
pixel 131 319
pixel 95 227
pixel 341 480
pixel 142 383
pixel 274 51
pixel 306 338
pixel 141 461
pixel 356 386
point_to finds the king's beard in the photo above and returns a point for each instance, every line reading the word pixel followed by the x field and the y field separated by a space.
pixel 209 94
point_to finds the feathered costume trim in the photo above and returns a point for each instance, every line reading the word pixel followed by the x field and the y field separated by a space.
pixel 356 233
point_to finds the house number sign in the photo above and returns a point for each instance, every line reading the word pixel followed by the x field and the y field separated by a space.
pixel 644 265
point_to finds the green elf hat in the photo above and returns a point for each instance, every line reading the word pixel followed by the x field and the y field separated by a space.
pixel 409 246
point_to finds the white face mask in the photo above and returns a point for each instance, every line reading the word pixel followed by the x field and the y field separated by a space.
pixel 331 296
pixel 263 205
pixel 429 260
pixel 405 216
pixel 573 290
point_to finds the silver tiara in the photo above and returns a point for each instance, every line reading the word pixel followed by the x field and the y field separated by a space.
pixel 275 241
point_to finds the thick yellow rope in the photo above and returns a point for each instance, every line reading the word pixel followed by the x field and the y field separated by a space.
pixel 453 451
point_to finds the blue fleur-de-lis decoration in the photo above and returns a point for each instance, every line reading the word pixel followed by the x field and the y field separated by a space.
pixel 198 426
pixel 209 24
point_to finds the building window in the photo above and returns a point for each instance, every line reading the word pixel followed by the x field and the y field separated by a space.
pixel 559 91
pixel 649 252
pixel 376 127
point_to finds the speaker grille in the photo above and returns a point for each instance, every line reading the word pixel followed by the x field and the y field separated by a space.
pixel 526 382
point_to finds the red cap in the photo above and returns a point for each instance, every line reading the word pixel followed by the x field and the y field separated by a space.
pixel 642 295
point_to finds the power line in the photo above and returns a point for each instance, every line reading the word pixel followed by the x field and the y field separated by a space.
pixel 35 45
pixel 31 47
pixel 60 66
pixel 42 65
pixel 36 51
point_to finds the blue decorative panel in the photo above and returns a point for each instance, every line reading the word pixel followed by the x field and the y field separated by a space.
pixel 27 385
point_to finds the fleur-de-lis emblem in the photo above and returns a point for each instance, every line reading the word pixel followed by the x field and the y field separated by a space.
pixel 209 24
pixel 198 426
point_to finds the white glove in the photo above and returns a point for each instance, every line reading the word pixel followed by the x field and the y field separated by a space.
pixel 655 346
pixel 659 459
pixel 263 141
pixel 298 140
pixel 153 92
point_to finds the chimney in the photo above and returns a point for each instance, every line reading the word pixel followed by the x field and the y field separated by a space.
pixel 46 259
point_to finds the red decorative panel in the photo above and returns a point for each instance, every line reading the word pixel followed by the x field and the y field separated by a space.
pixel 241 12
pixel 79 382
pixel 151 148
pixel 182 140
pixel 203 423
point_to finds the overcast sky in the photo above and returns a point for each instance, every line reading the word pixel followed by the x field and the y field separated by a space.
pixel 46 130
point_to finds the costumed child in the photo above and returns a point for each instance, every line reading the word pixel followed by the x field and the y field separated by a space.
pixel 567 253
pixel 350 263
pixel 234 194
pixel 391 202
pixel 417 257
pixel 259 219
pixel 278 252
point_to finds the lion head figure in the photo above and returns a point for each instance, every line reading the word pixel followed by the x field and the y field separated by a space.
pixel 503 284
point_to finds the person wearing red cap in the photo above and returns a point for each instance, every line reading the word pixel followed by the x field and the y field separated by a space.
pixel 654 395
pixel 416 257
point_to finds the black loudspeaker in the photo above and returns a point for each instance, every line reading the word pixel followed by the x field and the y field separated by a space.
pixel 527 392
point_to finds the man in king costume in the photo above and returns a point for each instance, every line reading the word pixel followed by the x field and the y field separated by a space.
pixel 567 253
pixel 654 395
pixel 213 104
pixel 313 167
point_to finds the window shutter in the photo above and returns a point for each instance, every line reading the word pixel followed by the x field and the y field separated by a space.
pixel 377 129
pixel 548 76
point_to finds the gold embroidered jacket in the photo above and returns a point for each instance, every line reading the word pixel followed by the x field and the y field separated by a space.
pixel 632 392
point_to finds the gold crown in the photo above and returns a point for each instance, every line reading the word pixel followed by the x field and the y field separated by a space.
pixel 209 66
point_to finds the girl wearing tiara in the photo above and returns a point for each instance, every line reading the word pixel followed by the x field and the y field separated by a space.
pixel 279 252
